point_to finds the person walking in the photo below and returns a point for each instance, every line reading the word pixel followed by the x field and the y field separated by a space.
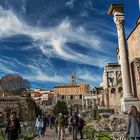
pixel 52 121
pixel 13 127
pixel 81 124
pixel 69 125
pixel 44 119
pixel 39 125
pixel 60 122
pixel 134 124
pixel 74 124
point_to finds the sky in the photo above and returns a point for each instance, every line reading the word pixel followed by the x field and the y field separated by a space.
pixel 46 41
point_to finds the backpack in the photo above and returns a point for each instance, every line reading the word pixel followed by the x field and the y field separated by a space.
pixel 74 121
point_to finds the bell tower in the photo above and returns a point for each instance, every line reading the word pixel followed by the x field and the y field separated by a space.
pixel 73 79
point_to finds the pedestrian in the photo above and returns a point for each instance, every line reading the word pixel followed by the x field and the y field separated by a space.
pixel 69 125
pixel 13 127
pixel 52 121
pixel 60 122
pixel 47 119
pixel 74 124
pixel 81 125
pixel 39 125
pixel 56 125
pixel 44 124
pixel 134 124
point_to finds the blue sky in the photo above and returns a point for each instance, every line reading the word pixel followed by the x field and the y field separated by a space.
pixel 45 41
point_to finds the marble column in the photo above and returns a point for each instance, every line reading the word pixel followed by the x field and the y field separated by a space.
pixel 128 99
pixel 86 103
pixel 83 102
pixel 115 77
pixel 106 86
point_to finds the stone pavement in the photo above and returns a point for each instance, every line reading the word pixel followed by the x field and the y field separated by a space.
pixel 51 135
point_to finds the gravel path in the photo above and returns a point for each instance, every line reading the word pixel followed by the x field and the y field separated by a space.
pixel 51 135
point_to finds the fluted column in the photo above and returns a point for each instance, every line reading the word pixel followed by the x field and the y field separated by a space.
pixel 106 86
pixel 128 99
pixel 82 102
pixel 119 20
pixel 86 103
pixel 115 77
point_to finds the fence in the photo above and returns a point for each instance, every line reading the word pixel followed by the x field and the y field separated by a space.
pixel 91 134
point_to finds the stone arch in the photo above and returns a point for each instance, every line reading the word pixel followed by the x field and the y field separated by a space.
pixel 80 96
pixel 71 97
pixel 113 90
pixel 120 89
pixel 62 97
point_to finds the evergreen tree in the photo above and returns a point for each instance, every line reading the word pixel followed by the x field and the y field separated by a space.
pixel 60 107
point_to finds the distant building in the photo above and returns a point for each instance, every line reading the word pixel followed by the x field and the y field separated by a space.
pixel 73 91
pixel 41 94
pixel 42 97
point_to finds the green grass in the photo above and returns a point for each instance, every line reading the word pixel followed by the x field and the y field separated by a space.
pixel 89 134
pixel 103 135
pixel 1 138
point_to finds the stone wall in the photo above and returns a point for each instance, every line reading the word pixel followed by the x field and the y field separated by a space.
pixel 112 96
pixel 25 107
pixel 134 43
pixel 134 58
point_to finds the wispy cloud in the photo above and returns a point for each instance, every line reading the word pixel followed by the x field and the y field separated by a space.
pixel 88 76
pixel 33 72
pixel 70 3
pixel 52 41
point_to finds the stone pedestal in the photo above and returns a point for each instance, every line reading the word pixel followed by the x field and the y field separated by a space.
pixel 126 103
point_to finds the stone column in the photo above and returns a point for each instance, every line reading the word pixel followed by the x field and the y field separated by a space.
pixel 115 77
pixel 128 99
pixel 86 103
pixel 106 86
pixel 83 102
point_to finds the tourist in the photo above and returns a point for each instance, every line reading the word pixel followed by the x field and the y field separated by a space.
pixel 52 121
pixel 134 124
pixel 39 125
pixel 56 125
pixel 81 124
pixel 47 119
pixel 60 122
pixel 44 124
pixel 74 124
pixel 13 127
pixel 69 125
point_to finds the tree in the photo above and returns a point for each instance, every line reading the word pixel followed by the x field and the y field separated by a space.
pixel 14 83
pixel 60 107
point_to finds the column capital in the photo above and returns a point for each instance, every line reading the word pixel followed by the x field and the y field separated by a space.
pixel 117 11
pixel 119 21
pixel 105 72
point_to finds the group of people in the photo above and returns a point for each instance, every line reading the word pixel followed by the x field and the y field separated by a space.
pixel 74 123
